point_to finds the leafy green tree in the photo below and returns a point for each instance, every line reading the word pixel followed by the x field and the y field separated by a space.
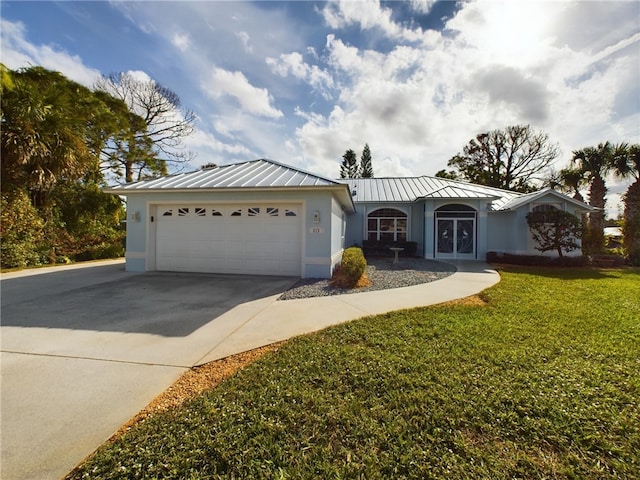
pixel 448 174
pixel 89 221
pixel 555 230
pixel 148 148
pixel 511 159
pixel 53 134
pixel 21 231
pixel 349 167
pixel 366 167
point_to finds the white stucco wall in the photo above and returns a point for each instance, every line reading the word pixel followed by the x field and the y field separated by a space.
pixel 502 234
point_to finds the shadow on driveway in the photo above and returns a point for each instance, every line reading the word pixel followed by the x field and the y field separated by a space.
pixel 106 298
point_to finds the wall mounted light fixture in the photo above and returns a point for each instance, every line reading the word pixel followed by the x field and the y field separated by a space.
pixel 135 216
pixel 316 217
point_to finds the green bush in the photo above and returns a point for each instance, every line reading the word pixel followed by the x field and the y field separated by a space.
pixel 351 268
pixel 21 231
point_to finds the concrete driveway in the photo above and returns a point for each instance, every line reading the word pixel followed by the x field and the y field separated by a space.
pixel 83 349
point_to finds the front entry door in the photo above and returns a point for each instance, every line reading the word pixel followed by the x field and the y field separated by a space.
pixel 455 238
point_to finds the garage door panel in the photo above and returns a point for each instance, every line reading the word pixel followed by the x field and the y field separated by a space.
pixel 264 239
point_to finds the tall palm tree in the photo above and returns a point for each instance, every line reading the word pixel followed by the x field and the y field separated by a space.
pixel 595 163
pixel 627 165
pixel 572 180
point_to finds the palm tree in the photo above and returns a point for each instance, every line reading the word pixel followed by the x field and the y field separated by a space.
pixel 627 165
pixel 595 163
pixel 43 134
pixel 573 180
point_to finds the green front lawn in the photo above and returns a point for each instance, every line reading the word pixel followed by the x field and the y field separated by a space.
pixel 541 382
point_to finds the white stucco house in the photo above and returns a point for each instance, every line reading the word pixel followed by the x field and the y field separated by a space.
pixel 264 217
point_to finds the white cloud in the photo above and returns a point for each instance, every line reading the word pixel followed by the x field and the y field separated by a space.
pixel 368 15
pixel 18 52
pixel 211 149
pixel 246 41
pixel 293 63
pixel 422 6
pixel 253 100
pixel 181 41
pixel 421 105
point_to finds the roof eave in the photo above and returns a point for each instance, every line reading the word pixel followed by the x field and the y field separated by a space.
pixel 341 190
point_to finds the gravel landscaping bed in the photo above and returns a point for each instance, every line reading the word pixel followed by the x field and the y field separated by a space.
pixel 382 273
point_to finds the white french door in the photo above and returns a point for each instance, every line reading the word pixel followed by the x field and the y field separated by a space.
pixel 455 238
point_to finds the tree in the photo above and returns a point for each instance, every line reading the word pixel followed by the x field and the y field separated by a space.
pixel 349 167
pixel 555 230
pixel 91 221
pixel 21 230
pixel 47 121
pixel 627 165
pixel 595 163
pixel 53 131
pixel 511 159
pixel 366 168
pixel 148 150
pixel 448 174
pixel 572 181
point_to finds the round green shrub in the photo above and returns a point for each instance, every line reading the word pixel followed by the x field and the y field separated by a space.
pixel 352 267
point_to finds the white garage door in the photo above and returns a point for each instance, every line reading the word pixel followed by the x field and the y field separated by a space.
pixel 263 239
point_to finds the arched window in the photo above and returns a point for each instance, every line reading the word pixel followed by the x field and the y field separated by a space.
pixel 547 209
pixel 387 224
pixel 455 210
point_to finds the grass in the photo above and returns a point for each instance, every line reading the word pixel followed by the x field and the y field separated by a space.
pixel 540 382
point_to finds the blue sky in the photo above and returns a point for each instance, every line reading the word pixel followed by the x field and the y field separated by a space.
pixel 300 82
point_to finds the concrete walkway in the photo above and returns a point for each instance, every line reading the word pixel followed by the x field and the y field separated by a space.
pixel 68 384
pixel 267 320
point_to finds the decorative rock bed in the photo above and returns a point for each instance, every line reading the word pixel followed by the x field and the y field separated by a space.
pixel 382 273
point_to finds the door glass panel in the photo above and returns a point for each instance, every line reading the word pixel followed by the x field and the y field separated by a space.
pixel 464 240
pixel 445 236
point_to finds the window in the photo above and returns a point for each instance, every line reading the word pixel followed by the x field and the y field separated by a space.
pixel 387 224
pixel 237 213
pixel 183 212
pixel 215 213
pixel 289 213
pixel 253 211
pixel 201 212
pixel 272 212
pixel 454 210
pixel 547 209
pixel 168 213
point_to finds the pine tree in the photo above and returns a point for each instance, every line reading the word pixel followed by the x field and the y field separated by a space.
pixel 366 168
pixel 349 167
